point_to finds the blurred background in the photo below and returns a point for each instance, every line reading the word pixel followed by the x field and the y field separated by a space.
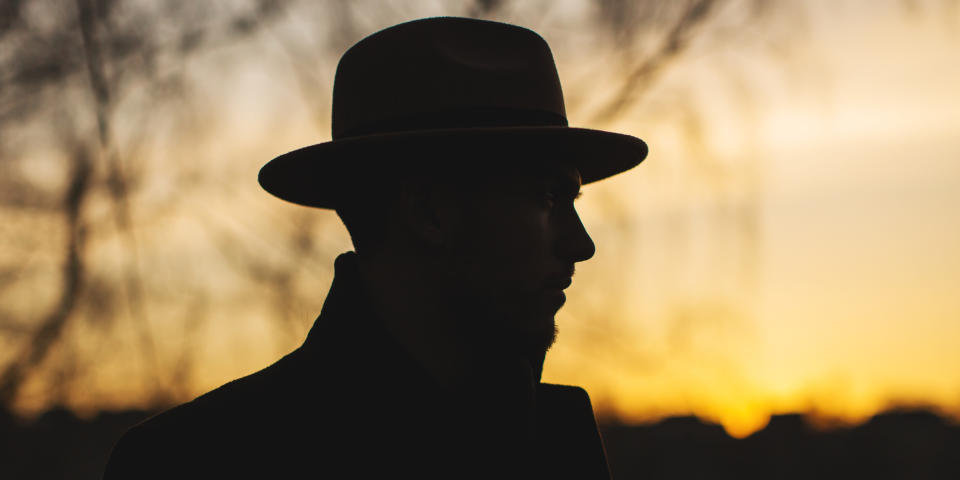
pixel 790 249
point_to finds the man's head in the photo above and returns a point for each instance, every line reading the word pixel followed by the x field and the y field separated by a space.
pixel 499 245
pixel 451 149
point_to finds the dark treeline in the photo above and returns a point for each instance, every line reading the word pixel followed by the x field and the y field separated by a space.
pixel 906 444
pixel 915 444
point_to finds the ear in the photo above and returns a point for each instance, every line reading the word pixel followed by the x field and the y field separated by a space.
pixel 431 213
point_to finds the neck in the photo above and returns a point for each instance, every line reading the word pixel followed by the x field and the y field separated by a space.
pixel 416 308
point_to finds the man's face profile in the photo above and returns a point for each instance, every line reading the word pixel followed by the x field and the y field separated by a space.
pixel 514 253
pixel 476 262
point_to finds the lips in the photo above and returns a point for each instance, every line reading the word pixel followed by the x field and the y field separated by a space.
pixel 558 283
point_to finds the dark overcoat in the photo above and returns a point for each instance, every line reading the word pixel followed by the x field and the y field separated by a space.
pixel 351 403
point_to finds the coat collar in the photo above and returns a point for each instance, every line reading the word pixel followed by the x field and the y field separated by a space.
pixel 348 322
pixel 348 330
pixel 360 362
pixel 349 333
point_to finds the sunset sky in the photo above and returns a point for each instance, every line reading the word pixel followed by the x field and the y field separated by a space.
pixel 791 244
pixel 856 301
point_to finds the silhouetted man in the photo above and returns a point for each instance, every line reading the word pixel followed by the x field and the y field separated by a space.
pixel 454 171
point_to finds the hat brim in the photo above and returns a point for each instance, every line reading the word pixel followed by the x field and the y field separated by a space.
pixel 313 175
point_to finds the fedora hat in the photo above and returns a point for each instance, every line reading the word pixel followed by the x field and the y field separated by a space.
pixel 444 90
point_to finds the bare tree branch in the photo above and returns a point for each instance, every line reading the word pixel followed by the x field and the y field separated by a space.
pixel 642 74
pixel 46 335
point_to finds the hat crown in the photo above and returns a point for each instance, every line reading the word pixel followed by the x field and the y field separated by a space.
pixel 446 72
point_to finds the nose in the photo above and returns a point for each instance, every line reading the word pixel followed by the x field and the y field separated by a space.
pixel 575 243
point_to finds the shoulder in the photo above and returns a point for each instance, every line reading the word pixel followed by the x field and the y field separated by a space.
pixel 556 389
pixel 238 397
pixel 566 422
pixel 206 425
pixel 566 395
pixel 566 411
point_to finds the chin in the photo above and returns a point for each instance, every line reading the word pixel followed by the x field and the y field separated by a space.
pixel 536 340
pixel 529 329
pixel 555 300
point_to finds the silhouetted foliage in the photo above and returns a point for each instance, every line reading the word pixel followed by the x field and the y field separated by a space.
pixel 896 444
